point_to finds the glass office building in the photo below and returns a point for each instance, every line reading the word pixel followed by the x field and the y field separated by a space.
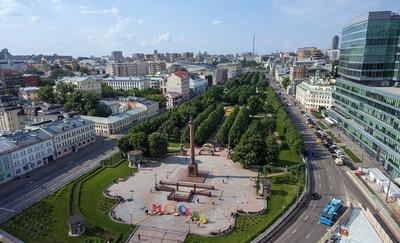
pixel 366 102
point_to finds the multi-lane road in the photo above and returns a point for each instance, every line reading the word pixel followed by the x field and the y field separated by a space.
pixel 20 194
pixel 327 179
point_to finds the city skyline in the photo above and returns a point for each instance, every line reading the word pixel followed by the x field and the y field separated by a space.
pixel 83 28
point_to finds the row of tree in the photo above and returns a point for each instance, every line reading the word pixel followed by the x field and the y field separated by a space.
pixel 222 135
pixel 239 127
pixel 284 123
pixel 196 122
pixel 256 146
pixel 208 125
pixel 167 124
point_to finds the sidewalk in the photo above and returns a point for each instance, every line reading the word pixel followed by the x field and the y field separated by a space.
pixel 57 167
pixel 368 160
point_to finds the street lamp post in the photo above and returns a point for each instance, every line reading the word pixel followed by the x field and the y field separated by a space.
pixel 390 181
pixel 130 214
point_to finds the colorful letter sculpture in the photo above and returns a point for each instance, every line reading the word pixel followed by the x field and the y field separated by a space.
pixel 195 215
pixel 169 208
pixel 157 209
pixel 203 219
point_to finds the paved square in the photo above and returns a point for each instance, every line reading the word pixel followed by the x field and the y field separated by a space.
pixel 236 192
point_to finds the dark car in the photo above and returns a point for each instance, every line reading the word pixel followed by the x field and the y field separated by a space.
pixel 315 196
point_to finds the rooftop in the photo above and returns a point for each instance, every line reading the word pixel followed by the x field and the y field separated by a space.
pixel 116 118
pixel 58 127
pixel 391 90
pixel 182 73
pixel 21 139
pixel 132 78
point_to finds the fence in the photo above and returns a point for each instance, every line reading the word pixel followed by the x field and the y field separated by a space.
pixel 275 227
pixel 345 216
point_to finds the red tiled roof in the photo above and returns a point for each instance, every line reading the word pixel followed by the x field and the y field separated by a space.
pixel 173 95
pixel 182 73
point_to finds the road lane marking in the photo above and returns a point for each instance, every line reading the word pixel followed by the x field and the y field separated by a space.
pixel 305 219
pixel 308 236
pixel 320 185
pixel 314 205
pixel 294 231
pixel 319 175
pixel 318 222
pixel 8 210
pixel 331 187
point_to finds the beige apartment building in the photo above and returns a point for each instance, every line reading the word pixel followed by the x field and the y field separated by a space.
pixel 89 84
pixel 298 73
pixel 69 135
pixel 126 69
pixel 9 120
pixel 179 82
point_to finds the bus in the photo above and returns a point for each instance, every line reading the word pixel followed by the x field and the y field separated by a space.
pixel 331 212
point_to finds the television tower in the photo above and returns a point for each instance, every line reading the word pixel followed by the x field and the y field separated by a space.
pixel 254 42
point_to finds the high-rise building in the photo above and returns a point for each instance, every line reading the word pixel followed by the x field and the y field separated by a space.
pixel 117 56
pixel 335 42
pixel 367 94
pixel 369 49
pixel 10 79
pixel 126 69
pixel 9 120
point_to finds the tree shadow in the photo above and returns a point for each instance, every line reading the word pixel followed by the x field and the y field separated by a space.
pixel 278 192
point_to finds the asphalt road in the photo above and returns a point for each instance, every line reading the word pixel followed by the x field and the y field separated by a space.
pixel 326 179
pixel 17 195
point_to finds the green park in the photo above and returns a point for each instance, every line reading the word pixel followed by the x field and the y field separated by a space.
pixel 245 116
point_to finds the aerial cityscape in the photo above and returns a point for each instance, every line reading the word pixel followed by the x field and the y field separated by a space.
pixel 199 121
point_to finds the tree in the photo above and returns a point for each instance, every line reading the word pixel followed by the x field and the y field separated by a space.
pixel 107 91
pixel 46 94
pixel 207 126
pixel 62 91
pixel 239 126
pixel 250 151
pixel 272 150
pixel 139 141
pixel 285 82
pixel 255 104
pixel 222 135
pixel 123 145
pixel 158 144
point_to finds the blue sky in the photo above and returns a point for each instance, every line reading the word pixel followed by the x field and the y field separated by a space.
pixel 96 27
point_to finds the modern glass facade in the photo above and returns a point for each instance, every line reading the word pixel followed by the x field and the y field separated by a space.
pixel 366 101
pixel 369 51
pixel 5 170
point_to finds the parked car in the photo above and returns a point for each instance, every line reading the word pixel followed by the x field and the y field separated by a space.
pixel 315 196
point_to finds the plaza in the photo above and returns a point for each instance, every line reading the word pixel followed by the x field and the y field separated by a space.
pixel 234 190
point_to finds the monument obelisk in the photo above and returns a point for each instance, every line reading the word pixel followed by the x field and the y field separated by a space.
pixel 192 170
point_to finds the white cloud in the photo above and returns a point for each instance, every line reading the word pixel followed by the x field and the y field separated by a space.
pixel 36 19
pixel 119 31
pixel 140 21
pixel 12 8
pixel 114 11
pixel 216 22
pixel 162 38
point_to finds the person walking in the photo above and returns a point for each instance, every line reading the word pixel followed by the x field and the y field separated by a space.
pixel 138 236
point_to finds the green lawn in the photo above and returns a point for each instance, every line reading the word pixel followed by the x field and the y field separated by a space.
pixel 316 114
pixel 287 157
pixel 322 125
pixel 46 221
pixel 174 143
pixel 337 140
pixel 283 194
pixel 351 155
